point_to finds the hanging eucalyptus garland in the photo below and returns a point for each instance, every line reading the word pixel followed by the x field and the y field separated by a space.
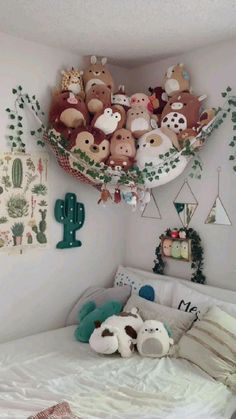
pixel 197 253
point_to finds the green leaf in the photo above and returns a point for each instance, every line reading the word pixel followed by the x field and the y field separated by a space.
pixel 11 126
pixel 21 106
pixel 228 89
pixel 231 157
pixel 19 132
pixel 34 97
pixel 20 118
pixel 19 124
pixel 20 88
pixel 14 91
pixel 12 116
pixel 232 144
pixel 223 94
pixel 234 168
pixel 8 110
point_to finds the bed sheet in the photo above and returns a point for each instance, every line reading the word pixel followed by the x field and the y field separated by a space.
pixel 41 370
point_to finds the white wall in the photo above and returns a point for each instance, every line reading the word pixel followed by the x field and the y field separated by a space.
pixel 212 70
pixel 38 287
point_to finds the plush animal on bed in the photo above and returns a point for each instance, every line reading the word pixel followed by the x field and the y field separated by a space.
pixel 89 314
pixel 176 80
pixel 67 112
pixel 72 80
pixel 182 112
pixel 98 97
pixel 117 334
pixel 97 73
pixel 154 339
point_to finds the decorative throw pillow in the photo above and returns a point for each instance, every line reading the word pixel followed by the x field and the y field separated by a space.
pixel 99 296
pixel 191 301
pixel 178 321
pixel 211 345
pixel 159 290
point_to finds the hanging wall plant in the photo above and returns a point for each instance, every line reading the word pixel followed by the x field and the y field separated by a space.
pixel 187 235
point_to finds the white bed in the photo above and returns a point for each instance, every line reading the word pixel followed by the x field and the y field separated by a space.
pixel 41 370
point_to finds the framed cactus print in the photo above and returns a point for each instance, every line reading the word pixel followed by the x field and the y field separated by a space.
pixel 23 200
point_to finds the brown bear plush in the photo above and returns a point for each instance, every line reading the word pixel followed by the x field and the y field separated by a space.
pixel 98 97
pixel 182 112
pixel 92 141
pixel 138 121
pixel 122 149
pixel 97 73
pixel 176 80
pixel 67 112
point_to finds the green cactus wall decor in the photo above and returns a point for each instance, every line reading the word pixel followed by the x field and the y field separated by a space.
pixel 41 228
pixel 17 173
pixel 71 214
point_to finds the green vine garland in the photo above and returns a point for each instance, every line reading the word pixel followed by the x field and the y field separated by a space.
pixel 197 252
pixel 99 171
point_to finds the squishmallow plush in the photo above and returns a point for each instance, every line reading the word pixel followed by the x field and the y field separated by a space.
pixel 72 80
pixel 166 247
pixel 176 249
pixel 158 99
pixel 122 112
pixel 186 135
pixel 206 117
pixel 138 121
pixel 182 112
pixel 176 80
pixel 122 149
pixel 140 99
pixel 92 141
pixel 154 143
pixel 98 97
pixel 154 339
pixel 97 73
pixel 106 120
pixel 89 314
pixel 120 98
pixel 67 112
pixel 118 333
pixel 184 249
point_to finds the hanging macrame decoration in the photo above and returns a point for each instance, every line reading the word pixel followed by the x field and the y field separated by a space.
pixel 185 204
pixel 218 214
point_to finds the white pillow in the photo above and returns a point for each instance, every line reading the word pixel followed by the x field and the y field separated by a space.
pixel 211 345
pixel 159 290
pixel 191 301
pixel 178 321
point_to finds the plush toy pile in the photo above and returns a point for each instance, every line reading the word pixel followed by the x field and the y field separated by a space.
pixel 120 130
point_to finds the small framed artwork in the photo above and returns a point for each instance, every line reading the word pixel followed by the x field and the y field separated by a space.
pixel 176 248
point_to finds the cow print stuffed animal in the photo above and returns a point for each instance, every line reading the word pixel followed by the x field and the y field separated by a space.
pixel 118 333
pixel 182 112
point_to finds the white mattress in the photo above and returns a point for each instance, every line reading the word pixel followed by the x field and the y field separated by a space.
pixel 41 370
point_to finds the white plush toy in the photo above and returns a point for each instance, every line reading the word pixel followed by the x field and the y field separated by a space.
pixel 117 333
pixel 154 339
pixel 154 144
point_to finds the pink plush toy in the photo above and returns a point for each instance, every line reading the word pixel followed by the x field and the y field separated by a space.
pixel 140 99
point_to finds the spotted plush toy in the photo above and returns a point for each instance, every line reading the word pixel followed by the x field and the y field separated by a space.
pixel 72 80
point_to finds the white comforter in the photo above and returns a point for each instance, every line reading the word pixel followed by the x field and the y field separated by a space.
pixel 44 369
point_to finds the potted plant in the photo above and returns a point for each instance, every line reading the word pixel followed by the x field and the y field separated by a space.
pixel 17 231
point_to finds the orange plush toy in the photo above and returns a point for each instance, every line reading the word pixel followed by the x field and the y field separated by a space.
pixel 97 73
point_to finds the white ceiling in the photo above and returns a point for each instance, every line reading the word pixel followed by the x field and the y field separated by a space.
pixel 128 32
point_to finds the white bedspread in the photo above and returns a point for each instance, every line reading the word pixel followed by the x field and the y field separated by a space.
pixel 41 370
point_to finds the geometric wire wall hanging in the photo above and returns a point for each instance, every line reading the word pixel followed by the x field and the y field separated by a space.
pixel 185 204
pixel 151 209
pixel 218 214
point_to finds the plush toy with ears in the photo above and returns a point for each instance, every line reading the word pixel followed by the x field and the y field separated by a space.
pixel 89 316
pixel 97 73
pixel 154 339
pixel 176 80
pixel 117 334
pixel 72 80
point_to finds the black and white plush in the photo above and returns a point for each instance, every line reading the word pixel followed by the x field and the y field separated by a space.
pixel 118 333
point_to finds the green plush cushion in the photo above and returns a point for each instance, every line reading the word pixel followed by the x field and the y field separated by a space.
pixel 89 314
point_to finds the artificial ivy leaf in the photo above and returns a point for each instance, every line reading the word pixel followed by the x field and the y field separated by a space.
pixel 223 94
pixel 21 106
pixel 11 127
pixel 20 88
pixel 19 132
pixel 232 144
pixel 12 116
pixel 10 137
pixel 8 110
pixel 14 91
pixel 228 89
pixel 231 157
pixel 234 168
pixel 34 97
pixel 199 176
pixel 191 175
pixel 19 124
pixel 20 118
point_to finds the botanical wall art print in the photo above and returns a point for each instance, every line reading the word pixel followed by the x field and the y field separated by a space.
pixel 23 200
